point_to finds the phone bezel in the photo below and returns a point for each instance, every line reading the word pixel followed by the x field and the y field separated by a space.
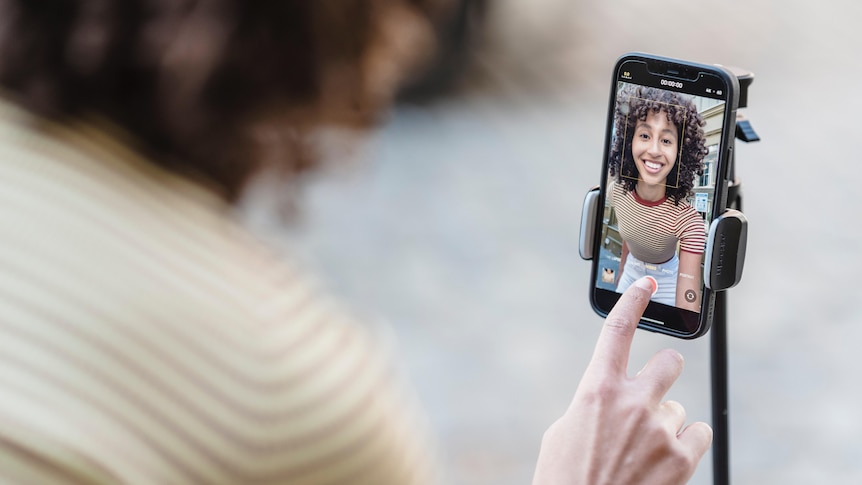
pixel 658 317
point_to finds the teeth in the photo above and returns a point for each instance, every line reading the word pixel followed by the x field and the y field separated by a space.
pixel 652 165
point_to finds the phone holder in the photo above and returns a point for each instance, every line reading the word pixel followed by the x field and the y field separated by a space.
pixel 725 245
pixel 725 257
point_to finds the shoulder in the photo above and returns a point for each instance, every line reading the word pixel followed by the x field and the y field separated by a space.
pixel 617 192
pixel 685 207
pixel 144 276
pixel 689 220
pixel 686 211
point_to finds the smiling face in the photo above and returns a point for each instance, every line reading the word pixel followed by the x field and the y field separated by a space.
pixel 655 145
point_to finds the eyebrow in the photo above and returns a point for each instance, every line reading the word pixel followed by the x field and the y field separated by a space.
pixel 644 123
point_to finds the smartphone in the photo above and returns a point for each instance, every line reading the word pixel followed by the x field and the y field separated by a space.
pixel 664 178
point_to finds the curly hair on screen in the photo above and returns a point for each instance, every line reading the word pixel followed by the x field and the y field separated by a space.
pixel 213 89
pixel 633 104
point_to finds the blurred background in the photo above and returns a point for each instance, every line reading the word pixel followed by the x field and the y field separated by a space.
pixel 455 227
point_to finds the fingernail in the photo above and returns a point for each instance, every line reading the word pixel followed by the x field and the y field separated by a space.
pixel 648 283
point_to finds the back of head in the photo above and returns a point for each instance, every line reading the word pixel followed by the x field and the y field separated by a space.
pixel 212 88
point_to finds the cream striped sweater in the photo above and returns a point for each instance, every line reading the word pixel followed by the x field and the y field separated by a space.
pixel 146 338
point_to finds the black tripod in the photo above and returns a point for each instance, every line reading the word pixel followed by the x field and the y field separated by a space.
pixel 718 343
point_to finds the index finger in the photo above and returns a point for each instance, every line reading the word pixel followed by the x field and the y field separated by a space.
pixel 611 355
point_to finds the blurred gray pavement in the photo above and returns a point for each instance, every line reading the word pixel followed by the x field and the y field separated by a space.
pixel 457 227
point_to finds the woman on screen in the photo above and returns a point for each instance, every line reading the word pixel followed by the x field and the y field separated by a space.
pixel 657 151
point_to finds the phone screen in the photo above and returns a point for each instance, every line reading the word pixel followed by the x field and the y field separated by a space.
pixel 664 171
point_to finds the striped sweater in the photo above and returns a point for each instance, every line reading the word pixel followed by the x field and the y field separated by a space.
pixel 147 338
pixel 652 230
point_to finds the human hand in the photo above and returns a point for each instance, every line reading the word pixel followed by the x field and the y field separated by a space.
pixel 617 430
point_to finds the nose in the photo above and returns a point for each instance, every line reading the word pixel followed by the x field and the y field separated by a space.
pixel 655 146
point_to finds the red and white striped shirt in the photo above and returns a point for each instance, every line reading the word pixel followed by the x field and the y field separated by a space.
pixel 652 230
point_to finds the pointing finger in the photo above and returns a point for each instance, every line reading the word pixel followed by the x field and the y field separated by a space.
pixel 611 354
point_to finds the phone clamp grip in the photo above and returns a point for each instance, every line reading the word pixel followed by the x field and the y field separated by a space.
pixel 725 250
pixel 589 213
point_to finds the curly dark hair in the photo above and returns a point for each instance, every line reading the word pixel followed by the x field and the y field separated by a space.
pixel 214 88
pixel 633 104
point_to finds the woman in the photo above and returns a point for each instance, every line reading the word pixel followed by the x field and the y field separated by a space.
pixel 657 151
pixel 146 336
